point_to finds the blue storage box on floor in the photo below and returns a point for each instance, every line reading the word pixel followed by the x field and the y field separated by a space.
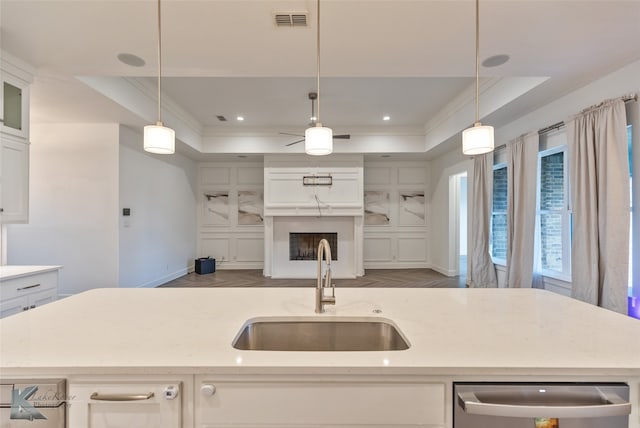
pixel 205 265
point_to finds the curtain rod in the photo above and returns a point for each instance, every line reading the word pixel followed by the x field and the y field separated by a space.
pixel 559 125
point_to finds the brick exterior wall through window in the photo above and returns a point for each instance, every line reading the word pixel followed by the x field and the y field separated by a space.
pixel 552 202
pixel 499 215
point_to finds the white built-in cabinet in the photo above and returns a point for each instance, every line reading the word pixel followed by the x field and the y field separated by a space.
pixel 28 290
pixel 14 158
pixel 126 403
pixel 15 78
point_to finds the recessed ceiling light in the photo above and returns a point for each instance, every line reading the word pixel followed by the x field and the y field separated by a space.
pixel 385 118
pixel 131 59
pixel 240 118
pixel 496 60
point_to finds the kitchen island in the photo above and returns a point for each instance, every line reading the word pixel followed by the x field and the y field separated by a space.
pixel 185 336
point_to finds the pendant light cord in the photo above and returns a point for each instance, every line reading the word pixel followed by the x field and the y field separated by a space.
pixel 159 64
pixel 477 62
pixel 318 61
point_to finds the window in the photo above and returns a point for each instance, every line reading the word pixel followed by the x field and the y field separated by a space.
pixel 553 213
pixel 552 208
pixel 498 241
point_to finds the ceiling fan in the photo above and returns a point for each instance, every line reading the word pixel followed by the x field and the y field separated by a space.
pixel 313 96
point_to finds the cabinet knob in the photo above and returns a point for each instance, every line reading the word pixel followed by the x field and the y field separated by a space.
pixel 207 390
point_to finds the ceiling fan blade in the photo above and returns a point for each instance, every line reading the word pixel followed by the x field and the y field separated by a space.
pixel 295 142
pixel 288 133
pixel 342 136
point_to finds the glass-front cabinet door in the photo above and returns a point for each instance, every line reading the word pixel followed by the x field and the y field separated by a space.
pixel 15 106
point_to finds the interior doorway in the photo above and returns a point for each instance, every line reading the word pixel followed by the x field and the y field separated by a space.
pixel 458 227
pixel 462 226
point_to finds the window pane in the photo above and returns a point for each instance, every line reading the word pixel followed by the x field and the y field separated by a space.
pixel 499 236
pixel 552 182
pixel 551 241
pixel 500 190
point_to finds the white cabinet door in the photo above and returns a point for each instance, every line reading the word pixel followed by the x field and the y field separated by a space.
pixel 314 404
pixel 125 405
pixel 27 302
pixel 14 97
pixel 14 180
pixel 13 306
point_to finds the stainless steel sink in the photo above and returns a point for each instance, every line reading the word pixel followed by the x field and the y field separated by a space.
pixel 320 334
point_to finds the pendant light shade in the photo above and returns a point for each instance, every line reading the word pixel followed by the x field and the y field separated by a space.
pixel 478 139
pixel 318 140
pixel 158 138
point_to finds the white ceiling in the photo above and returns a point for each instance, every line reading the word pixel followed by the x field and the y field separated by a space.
pixel 410 59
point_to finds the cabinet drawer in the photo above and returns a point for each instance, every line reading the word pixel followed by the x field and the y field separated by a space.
pixel 27 302
pixel 24 285
pixel 126 404
pixel 295 404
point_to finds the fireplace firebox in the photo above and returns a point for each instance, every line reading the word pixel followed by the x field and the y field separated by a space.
pixel 304 246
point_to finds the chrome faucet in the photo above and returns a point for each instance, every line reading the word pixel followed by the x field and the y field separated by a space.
pixel 321 299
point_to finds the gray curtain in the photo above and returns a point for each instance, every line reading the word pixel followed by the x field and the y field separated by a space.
pixel 522 174
pixel 482 272
pixel 599 172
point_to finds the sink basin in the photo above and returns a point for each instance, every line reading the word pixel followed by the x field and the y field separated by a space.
pixel 320 334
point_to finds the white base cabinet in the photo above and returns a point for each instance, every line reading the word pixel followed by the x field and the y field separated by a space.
pixel 27 291
pixel 125 404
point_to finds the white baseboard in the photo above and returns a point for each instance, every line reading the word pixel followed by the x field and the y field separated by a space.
pixel 394 265
pixel 164 279
pixel 444 271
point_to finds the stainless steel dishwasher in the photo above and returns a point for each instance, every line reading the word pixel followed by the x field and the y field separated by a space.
pixel 37 403
pixel 541 405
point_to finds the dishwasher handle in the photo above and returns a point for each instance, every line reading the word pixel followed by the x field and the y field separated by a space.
pixel 614 406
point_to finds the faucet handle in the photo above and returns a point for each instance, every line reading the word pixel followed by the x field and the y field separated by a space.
pixel 329 300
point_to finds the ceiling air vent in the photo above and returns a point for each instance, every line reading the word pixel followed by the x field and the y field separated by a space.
pixel 290 19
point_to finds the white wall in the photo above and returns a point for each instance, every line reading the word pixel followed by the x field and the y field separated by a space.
pixel 72 200
pixel 444 257
pixel 158 239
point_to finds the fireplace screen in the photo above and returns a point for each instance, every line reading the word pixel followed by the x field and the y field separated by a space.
pixel 304 246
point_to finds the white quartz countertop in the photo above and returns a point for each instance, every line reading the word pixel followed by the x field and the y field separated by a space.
pixel 15 271
pixel 451 331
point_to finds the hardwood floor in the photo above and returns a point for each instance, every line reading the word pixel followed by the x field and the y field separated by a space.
pixel 398 278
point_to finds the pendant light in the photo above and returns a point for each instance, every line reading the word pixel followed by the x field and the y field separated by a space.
pixel 479 138
pixel 318 140
pixel 158 138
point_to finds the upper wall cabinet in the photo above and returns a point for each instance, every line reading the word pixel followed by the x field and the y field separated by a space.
pixel 15 79
pixel 14 180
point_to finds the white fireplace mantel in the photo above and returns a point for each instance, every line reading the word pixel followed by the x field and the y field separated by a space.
pixel 292 206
